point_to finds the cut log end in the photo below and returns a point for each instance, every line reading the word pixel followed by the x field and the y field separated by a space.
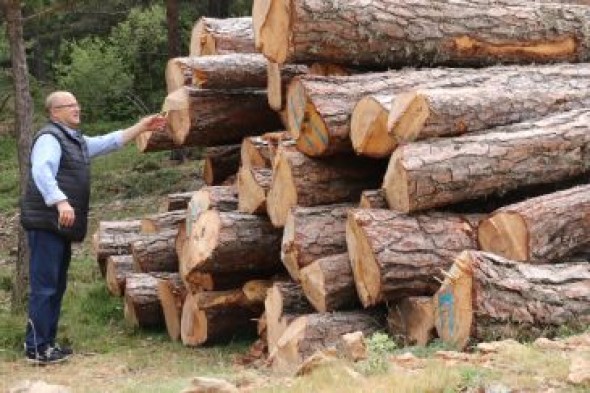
pixel 271 21
pixel 201 43
pixel 252 190
pixel 193 324
pixel 367 276
pixel 396 185
pixel 505 234
pixel 141 141
pixel 369 129
pixel 174 75
pixel 274 87
pixel 312 281
pixel 282 194
pixel 176 105
pixel 207 230
pixel 289 253
pixel 407 116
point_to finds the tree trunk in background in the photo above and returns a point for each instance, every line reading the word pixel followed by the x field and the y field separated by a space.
pixel 218 8
pixel 23 128
pixel 173 29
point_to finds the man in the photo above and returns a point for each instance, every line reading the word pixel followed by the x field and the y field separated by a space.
pixel 54 212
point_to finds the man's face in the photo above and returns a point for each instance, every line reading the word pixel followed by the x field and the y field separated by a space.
pixel 65 109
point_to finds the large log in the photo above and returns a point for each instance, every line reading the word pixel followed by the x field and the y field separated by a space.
pixel 162 222
pixel 253 186
pixel 255 153
pixel 176 201
pixel 199 117
pixel 155 253
pixel 142 307
pixel 211 36
pixel 419 32
pixel 412 320
pixel 209 317
pixel 172 294
pixel 302 181
pixel 151 141
pixel 118 268
pixel 373 199
pixel 442 172
pixel 284 302
pixel 328 283
pixel 220 163
pixel 230 71
pixel 310 333
pixel 539 230
pixel 487 297
pixel 114 238
pixel 311 233
pixel 395 255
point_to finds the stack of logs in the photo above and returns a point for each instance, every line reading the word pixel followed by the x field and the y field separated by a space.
pixel 436 201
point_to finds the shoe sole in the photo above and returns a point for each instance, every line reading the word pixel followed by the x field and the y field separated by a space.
pixel 37 362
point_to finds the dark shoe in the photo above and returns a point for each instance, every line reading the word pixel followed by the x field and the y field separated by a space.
pixel 65 350
pixel 49 356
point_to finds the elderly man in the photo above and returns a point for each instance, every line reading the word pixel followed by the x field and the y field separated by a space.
pixel 54 212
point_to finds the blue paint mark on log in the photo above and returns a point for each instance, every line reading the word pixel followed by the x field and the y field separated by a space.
pixel 446 303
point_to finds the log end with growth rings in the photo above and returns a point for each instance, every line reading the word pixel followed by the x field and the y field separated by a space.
pixel 176 105
pixel 193 324
pixel 395 183
pixel 365 269
pixel 201 43
pixel 251 196
pixel 312 282
pixel 282 195
pixel 504 234
pixel 274 86
pixel 368 129
pixel 408 114
pixel 288 345
pixel 174 74
pixel 271 24
pixel 205 235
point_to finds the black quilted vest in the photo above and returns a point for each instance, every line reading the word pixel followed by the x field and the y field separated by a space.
pixel 73 178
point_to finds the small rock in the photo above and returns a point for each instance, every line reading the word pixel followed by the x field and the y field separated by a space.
pixel 579 371
pixel 210 385
pixel 38 387
pixel 496 346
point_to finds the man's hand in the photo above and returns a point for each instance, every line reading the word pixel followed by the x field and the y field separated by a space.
pixel 66 214
pixel 153 123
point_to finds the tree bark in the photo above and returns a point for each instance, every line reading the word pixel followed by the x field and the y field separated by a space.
pixel 302 181
pixel 412 318
pixel 152 141
pixel 176 201
pixel 114 238
pixel 218 117
pixel 253 186
pixel 162 222
pixel 395 255
pixel 487 297
pixel 328 283
pixel 211 36
pixel 172 28
pixel 142 306
pixel 172 294
pixel 438 173
pixel 311 233
pixel 420 33
pixel 220 163
pixel 118 268
pixel 209 317
pixel 373 199
pixel 255 153
pixel 539 230
pixel 155 252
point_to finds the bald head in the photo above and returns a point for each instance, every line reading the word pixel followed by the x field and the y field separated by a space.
pixel 63 107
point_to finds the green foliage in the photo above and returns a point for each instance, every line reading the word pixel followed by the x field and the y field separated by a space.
pixel 379 346
pixel 4 46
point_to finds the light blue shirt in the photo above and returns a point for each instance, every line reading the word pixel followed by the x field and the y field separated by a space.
pixel 46 155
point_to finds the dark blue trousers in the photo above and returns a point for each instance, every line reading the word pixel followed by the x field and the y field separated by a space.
pixel 48 272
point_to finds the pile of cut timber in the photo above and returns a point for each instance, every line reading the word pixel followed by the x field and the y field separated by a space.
pixel 433 201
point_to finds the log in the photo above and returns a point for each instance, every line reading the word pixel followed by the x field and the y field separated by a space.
pixel 278 78
pixel 438 173
pixel 212 36
pixel 142 306
pixel 310 333
pixel 284 302
pixel 199 117
pixel 176 201
pixel 539 230
pixel 209 317
pixel 302 181
pixel 220 163
pixel 395 255
pixel 229 71
pixel 311 233
pixel 412 319
pixel 114 238
pixel 152 141
pixel 171 293
pixel 419 33
pixel 487 297
pixel 232 242
pixel 118 268
pixel 155 253
pixel 373 199
pixel 162 222
pixel 255 153
pixel 253 186
pixel 328 283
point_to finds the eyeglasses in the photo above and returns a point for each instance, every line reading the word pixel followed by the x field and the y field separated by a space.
pixel 76 105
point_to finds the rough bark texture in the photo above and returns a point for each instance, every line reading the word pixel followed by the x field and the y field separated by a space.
pixel 311 233
pixel 212 36
pixel 328 283
pixel 220 163
pixel 172 293
pixel 438 173
pixel 373 199
pixel 151 141
pixel 412 320
pixel 142 306
pixel 114 238
pixel 487 297
pixel 395 255
pixel 310 333
pixel 162 222
pixel 410 32
pixel 118 268
pixel 255 153
pixel 176 201
pixel 302 181
pixel 155 253
pixel 253 186
pixel 209 317
pixel 201 117
pixel 539 230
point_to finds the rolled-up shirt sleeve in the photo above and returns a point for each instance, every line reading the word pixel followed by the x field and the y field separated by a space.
pixel 104 144
pixel 45 158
